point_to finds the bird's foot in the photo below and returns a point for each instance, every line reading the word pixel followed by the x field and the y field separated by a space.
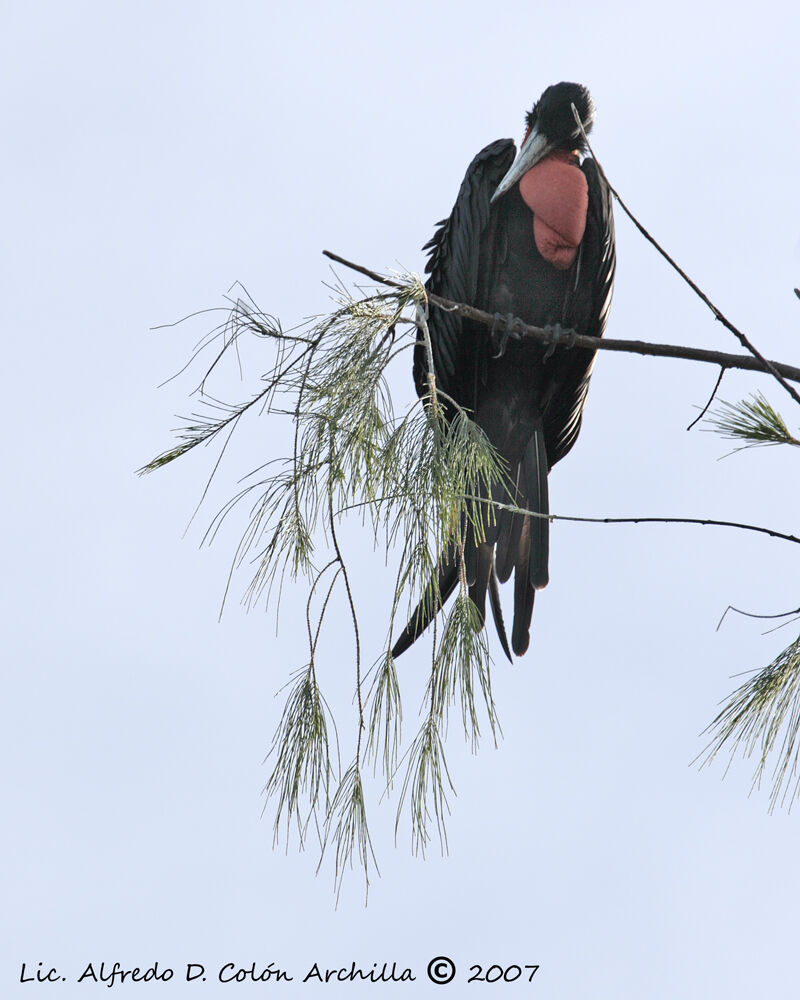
pixel 499 338
pixel 558 337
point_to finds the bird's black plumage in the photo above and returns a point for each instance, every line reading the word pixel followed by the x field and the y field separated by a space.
pixel 530 405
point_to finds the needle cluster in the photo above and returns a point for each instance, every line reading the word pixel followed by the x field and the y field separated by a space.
pixel 414 478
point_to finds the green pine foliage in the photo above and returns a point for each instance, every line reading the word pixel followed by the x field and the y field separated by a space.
pixel 762 720
pixel 752 421
pixel 416 479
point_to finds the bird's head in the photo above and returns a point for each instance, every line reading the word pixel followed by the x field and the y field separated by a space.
pixel 551 127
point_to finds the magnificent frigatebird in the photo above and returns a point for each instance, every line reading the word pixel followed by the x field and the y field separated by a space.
pixel 530 237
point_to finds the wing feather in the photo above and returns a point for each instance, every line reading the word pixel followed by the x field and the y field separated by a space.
pixel 454 266
pixel 593 299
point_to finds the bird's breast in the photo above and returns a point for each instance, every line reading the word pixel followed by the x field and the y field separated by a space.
pixel 555 190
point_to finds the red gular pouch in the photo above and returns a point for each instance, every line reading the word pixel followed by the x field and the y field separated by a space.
pixel 555 190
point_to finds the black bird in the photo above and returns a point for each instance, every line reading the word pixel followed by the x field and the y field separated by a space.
pixel 530 237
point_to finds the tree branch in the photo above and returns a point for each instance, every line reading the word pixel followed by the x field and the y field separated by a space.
pixel 584 343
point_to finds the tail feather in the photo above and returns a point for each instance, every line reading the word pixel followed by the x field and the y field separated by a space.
pixel 524 592
pixel 477 590
pixel 434 598
pixel 497 613
pixel 538 500
pixel 508 536
pixel 470 556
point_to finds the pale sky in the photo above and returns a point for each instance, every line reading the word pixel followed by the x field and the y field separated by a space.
pixel 153 155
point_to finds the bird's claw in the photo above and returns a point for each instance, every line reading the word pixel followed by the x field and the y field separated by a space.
pixel 558 337
pixel 500 338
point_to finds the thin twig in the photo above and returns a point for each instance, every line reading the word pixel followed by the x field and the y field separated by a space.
pixel 311 640
pixel 751 614
pixel 639 520
pixel 351 601
pixel 380 278
pixel 602 520
pixel 703 412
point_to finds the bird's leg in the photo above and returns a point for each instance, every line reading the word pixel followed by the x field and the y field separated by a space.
pixel 557 337
pixel 499 339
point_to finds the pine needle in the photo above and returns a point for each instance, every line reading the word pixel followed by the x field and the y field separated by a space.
pixel 762 718
pixel 752 421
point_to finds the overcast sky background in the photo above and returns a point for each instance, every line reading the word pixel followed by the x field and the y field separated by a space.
pixel 156 153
